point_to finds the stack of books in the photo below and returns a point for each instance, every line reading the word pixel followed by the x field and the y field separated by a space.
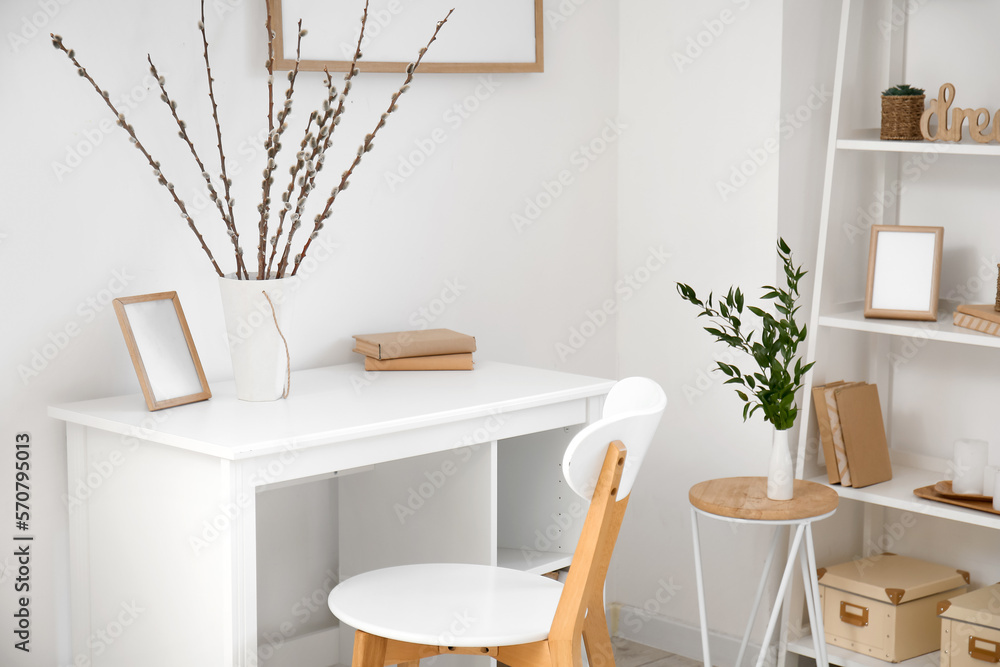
pixel 983 318
pixel 851 429
pixel 427 350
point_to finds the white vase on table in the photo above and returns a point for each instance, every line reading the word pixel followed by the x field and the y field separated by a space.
pixel 258 315
pixel 780 475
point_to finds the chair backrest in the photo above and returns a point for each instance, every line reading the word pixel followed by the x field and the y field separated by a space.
pixel 632 411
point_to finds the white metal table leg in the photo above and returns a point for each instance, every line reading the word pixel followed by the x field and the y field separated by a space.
pixel 785 577
pixel 702 614
pixel 759 595
pixel 812 603
pixel 816 622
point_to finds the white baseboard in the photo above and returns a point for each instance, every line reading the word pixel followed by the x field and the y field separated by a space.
pixel 669 635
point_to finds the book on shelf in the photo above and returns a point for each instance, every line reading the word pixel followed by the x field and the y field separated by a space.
pixel 826 430
pixel 988 325
pixel 985 311
pixel 864 434
pixel 404 344
pixel 437 362
pixel 852 433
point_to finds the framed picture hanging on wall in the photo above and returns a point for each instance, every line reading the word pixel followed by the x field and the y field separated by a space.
pixel 480 36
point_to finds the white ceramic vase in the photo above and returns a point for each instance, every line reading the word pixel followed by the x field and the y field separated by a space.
pixel 780 476
pixel 259 353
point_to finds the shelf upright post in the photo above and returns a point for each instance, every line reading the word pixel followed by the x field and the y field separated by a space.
pixel 824 224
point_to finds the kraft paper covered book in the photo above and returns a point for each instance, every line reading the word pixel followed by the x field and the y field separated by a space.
pixel 437 362
pixel 400 344
pixel 986 321
pixel 825 431
pixel 864 434
pixel 986 311
pixel 836 428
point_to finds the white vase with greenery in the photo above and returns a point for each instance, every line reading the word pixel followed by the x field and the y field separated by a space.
pixel 772 385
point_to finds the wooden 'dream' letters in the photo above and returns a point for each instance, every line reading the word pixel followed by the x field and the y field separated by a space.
pixel 979 120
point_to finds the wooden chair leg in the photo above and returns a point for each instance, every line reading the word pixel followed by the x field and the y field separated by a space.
pixel 411 663
pixel 566 653
pixel 596 638
pixel 369 650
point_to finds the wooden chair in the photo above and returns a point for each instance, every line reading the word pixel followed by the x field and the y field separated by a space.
pixel 403 614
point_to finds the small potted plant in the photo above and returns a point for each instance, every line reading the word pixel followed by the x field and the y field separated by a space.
pixel 902 107
pixel 771 387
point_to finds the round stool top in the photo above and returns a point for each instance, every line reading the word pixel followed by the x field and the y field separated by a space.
pixel 746 498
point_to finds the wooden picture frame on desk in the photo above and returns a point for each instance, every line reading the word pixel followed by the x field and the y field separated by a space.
pixel 481 37
pixel 162 350
pixel 904 272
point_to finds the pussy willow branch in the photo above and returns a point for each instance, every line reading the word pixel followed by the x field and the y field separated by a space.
pixel 272 146
pixel 81 70
pixel 212 193
pixel 315 163
pixel 367 145
pixel 270 70
pixel 262 247
pixel 241 269
pixel 310 162
pixel 300 159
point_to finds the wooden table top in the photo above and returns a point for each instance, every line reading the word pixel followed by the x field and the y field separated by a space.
pixel 746 498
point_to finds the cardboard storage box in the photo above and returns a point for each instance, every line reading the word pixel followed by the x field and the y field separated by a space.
pixel 886 606
pixel 970 628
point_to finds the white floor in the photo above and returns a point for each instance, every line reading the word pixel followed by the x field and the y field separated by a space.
pixel 631 654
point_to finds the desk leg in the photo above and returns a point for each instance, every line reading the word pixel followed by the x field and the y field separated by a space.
pixel 759 595
pixel 242 594
pixel 702 615
pixel 79 540
pixel 785 577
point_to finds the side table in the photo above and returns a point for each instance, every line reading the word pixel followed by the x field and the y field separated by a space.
pixel 744 500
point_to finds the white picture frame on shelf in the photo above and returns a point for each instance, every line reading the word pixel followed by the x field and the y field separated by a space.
pixel 904 272
pixel 162 350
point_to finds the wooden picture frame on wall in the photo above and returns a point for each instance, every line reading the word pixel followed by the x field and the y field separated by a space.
pixel 904 272
pixel 162 350
pixel 481 37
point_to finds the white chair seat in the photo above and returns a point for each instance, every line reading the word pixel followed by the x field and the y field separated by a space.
pixel 448 604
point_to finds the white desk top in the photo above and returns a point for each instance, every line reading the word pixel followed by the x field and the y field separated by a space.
pixel 333 404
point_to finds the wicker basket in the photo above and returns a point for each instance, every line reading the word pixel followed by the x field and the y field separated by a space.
pixel 901 117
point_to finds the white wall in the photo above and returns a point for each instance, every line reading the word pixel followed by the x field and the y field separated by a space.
pixel 701 86
pixel 713 90
pixel 523 292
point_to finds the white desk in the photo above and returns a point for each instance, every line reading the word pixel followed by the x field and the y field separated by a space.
pixel 143 485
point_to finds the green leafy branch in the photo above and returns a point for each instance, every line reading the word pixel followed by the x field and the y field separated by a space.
pixel 771 388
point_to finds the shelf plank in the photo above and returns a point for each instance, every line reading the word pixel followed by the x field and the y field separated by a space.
pixel 897 493
pixel 867 140
pixel 535 562
pixel 852 316
pixel 846 658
